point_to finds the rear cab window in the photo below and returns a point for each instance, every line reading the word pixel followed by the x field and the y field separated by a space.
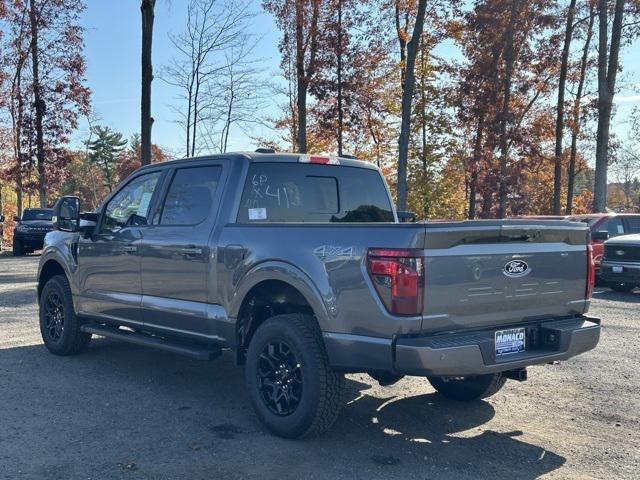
pixel 304 193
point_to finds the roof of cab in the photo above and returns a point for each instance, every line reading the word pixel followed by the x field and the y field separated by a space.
pixel 265 157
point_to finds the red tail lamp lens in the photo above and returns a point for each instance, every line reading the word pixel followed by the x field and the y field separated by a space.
pixel 398 277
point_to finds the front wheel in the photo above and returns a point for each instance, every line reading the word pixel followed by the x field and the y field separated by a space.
pixel 622 287
pixel 59 325
pixel 470 388
pixel 294 391
pixel 18 248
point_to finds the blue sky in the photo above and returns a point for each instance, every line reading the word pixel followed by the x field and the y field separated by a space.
pixel 113 69
pixel 113 66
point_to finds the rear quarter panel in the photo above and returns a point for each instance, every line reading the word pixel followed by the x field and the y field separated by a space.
pixel 329 260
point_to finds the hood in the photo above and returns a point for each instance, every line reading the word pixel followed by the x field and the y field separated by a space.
pixel 633 239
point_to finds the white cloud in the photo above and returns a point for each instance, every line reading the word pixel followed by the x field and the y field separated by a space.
pixel 626 98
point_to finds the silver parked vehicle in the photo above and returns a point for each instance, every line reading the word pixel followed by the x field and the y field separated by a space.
pixel 298 264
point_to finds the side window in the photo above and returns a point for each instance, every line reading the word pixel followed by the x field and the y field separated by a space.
pixel 634 224
pixel 130 206
pixel 190 196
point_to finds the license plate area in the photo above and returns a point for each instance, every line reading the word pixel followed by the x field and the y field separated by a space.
pixel 510 341
pixel 617 269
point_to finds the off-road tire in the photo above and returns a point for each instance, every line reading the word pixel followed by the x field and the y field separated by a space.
pixel 321 398
pixel 71 340
pixel 18 248
pixel 466 389
pixel 622 287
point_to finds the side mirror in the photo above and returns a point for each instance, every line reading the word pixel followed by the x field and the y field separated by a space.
pixel 66 214
pixel 407 217
pixel 600 236
pixel 16 218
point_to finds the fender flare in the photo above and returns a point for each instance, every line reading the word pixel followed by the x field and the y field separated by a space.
pixel 286 273
pixel 53 254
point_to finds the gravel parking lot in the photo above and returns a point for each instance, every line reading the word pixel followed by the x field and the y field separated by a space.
pixel 121 411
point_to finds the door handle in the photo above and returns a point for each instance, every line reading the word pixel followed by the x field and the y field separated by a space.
pixel 191 251
pixel 130 249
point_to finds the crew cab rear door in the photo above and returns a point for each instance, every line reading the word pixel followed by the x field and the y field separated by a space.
pixel 177 280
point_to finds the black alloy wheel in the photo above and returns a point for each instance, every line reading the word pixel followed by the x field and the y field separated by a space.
pixel 60 327
pixel 279 378
pixel 54 316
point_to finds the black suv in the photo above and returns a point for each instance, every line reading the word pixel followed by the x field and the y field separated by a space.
pixel 31 230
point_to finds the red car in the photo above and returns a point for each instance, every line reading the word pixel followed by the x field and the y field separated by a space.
pixel 614 224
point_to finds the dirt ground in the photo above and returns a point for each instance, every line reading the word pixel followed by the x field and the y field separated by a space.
pixel 121 411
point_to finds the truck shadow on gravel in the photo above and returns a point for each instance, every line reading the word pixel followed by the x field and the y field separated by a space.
pixel 631 297
pixel 193 408
pixel 443 434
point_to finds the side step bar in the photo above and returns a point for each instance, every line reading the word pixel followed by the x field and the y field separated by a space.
pixel 193 350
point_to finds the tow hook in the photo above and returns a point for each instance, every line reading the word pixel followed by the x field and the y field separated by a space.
pixel 519 374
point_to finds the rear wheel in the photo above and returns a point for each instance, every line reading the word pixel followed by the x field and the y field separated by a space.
pixel 468 388
pixel 59 325
pixel 622 287
pixel 294 391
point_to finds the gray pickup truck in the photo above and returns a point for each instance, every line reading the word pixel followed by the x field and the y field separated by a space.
pixel 298 264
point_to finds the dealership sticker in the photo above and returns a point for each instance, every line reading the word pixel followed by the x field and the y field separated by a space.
pixel 257 214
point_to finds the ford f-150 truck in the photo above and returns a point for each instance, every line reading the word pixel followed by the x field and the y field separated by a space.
pixel 298 264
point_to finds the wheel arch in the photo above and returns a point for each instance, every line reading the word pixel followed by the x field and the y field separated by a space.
pixel 269 289
pixel 49 269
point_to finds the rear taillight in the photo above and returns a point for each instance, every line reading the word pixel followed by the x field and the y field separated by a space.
pixel 591 273
pixel 398 277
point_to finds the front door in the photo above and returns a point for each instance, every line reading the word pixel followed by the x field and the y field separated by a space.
pixel 109 262
pixel 176 254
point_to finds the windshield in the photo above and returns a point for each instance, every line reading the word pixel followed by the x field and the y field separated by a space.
pixel 37 214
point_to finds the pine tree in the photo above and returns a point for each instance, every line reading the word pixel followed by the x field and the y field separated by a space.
pixel 104 152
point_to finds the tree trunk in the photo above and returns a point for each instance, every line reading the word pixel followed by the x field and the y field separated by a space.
pixel 196 96
pixel 557 170
pixel 301 77
pixel 407 98
pixel 571 172
pixel 423 108
pixel 339 74
pixel 146 121
pixel 400 30
pixel 607 70
pixel 477 147
pixel 39 103
pixel 17 118
pixel 189 100
pixel 509 58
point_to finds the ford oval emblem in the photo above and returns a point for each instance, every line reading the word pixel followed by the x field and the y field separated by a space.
pixel 516 268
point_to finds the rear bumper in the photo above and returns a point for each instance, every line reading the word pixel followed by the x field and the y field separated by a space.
pixel 630 272
pixel 463 353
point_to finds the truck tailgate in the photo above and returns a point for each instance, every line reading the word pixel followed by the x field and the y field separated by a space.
pixel 492 273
